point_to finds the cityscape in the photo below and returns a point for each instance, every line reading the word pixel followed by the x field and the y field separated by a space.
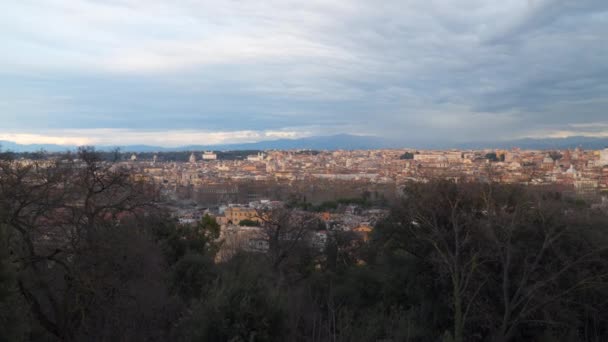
pixel 235 186
pixel 233 191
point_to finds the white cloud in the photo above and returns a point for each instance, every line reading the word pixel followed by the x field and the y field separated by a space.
pixel 27 138
pixel 170 138
pixel 569 133
pixel 591 129
pixel 220 50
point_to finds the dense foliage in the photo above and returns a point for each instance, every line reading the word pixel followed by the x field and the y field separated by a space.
pixel 407 156
pixel 87 256
pixel 248 223
pixel 365 201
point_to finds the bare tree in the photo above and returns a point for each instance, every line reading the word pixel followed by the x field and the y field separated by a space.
pixel 544 253
pixel 286 232
pixel 59 211
pixel 441 217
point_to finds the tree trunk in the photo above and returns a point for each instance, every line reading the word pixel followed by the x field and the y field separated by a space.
pixel 458 315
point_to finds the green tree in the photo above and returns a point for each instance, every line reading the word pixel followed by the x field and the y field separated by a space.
pixel 407 155
pixel 179 240
pixel 190 252
pixel 492 156
pixel 248 223
pixel 242 305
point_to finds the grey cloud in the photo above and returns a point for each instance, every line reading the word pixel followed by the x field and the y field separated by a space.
pixel 544 13
pixel 454 70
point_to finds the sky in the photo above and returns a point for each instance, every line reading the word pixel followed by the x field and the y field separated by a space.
pixel 179 72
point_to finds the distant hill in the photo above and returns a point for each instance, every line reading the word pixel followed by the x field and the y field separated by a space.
pixel 588 143
pixel 14 147
pixel 338 142
pixel 333 142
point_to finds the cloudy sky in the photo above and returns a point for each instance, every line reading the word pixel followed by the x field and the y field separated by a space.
pixel 202 72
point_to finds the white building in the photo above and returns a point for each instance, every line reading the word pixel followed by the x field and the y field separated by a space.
pixel 192 158
pixel 259 157
pixel 604 157
pixel 426 157
pixel 209 155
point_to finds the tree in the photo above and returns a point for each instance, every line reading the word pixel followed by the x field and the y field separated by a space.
pixel 555 155
pixel 248 223
pixel 72 222
pixel 492 156
pixel 440 219
pixel 13 318
pixel 519 261
pixel 191 251
pixel 407 155
pixel 242 305
pixel 287 232
pixel 545 252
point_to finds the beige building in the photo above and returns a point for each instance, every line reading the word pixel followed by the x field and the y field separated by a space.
pixel 238 214
pixel 604 157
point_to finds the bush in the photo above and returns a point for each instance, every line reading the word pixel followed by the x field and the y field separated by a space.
pixel 242 305
pixel 248 223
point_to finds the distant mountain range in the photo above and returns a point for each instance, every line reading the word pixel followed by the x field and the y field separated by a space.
pixel 589 143
pixel 337 142
pixel 333 142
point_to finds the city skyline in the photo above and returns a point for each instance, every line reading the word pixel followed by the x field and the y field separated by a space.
pixel 180 73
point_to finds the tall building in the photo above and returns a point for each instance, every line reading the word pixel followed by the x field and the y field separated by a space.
pixel 192 158
pixel 604 156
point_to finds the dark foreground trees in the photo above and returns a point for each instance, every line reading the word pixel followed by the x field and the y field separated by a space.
pixel 87 256
pixel 512 263
pixel 83 266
